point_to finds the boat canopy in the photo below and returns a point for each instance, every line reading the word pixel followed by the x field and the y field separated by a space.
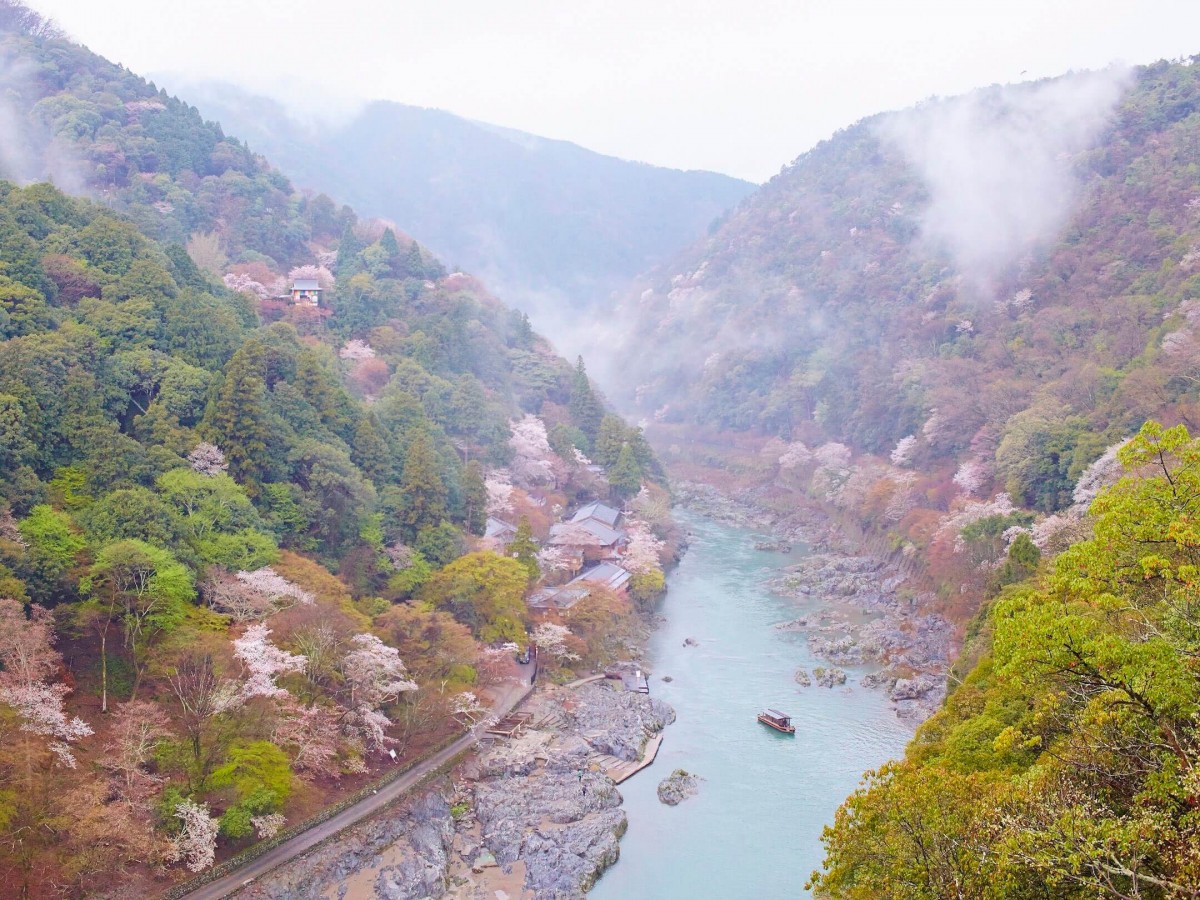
pixel 776 714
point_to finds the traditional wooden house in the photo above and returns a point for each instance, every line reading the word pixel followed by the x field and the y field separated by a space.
pixel 592 534
pixel 605 575
pixel 499 531
pixel 306 292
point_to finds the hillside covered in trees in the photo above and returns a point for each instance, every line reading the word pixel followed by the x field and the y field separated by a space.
pixel 555 229
pixel 946 329
pixel 241 538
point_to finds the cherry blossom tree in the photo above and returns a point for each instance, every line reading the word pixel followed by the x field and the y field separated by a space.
pixel 533 460
pixel 551 560
pixel 498 484
pixel 795 456
pixel 356 350
pixel 28 662
pixel 268 826
pixel 552 639
pixel 312 736
pixel 375 676
pixel 973 476
pixel 1102 473
pixel 207 459
pixel 902 454
pixel 264 662
pixel 642 555
pixel 137 727
pixel 196 843
pixel 278 591
pixel 467 706
pixel 244 284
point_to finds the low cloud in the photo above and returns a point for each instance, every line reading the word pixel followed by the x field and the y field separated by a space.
pixel 998 164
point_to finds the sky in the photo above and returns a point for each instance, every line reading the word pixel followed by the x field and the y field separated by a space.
pixel 735 87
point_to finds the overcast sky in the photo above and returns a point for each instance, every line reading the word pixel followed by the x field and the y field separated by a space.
pixel 737 87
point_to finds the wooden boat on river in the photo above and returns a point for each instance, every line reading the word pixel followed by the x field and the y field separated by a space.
pixel 773 718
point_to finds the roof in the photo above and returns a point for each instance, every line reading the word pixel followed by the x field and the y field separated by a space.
pixel 305 284
pixel 776 714
pixel 597 510
pixel 558 598
pixel 498 528
pixel 605 536
pixel 608 574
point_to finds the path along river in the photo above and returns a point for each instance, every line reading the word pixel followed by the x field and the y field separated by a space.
pixel 754 828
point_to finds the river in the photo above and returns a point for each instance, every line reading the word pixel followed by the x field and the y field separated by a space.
pixel 754 828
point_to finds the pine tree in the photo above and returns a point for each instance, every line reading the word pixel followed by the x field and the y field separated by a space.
pixel 586 411
pixel 392 249
pixel 610 440
pixel 370 451
pixel 625 478
pixel 524 550
pixel 348 264
pixel 475 498
pixel 422 487
pixel 238 421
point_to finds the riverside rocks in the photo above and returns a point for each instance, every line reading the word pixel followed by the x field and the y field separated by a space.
pixel 537 799
pixel 677 787
pixel 802 678
pixel 828 678
pixel 861 616
pixel 403 854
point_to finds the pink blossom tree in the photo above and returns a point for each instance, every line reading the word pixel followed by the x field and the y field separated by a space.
pixel 552 640
pixel 533 461
pixel 375 676
pixel 264 662
pixel 207 459
pixel 499 490
pixel 643 554
pixel 196 843
pixel 312 737
pixel 137 727
pixel 28 662
pixel 903 452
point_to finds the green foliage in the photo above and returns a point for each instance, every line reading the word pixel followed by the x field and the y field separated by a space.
pixel 1065 761
pixel 524 550
pixel 485 592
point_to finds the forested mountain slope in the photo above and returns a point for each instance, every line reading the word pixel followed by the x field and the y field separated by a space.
pixel 186 459
pixel 950 326
pixel 546 223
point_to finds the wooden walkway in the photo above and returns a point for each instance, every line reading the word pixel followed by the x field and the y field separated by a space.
pixel 620 769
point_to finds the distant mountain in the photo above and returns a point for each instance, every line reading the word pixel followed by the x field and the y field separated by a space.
pixel 1012 272
pixel 543 221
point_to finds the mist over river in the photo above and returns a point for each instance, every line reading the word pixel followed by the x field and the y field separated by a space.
pixel 754 827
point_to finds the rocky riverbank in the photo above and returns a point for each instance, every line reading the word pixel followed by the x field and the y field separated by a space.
pixel 859 609
pixel 531 816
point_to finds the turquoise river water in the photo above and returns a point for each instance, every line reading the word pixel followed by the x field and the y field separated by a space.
pixel 754 828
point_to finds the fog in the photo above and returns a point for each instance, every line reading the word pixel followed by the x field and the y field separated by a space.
pixel 998 164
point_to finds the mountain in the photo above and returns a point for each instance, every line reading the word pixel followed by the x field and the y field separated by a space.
pixel 242 564
pixel 956 329
pixel 544 222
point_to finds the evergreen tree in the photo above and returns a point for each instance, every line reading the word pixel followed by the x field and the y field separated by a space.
pixel 625 478
pixel 414 262
pixel 370 451
pixel 475 498
pixel 323 395
pixel 391 250
pixel 524 550
pixel 423 490
pixel 611 438
pixel 238 420
pixel 586 411
pixel 348 264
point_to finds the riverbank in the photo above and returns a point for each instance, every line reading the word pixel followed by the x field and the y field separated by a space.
pixel 858 608
pixel 532 816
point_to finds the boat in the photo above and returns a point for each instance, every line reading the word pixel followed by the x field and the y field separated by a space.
pixel 773 718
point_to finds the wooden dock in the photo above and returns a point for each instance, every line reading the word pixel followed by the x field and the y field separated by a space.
pixel 620 769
